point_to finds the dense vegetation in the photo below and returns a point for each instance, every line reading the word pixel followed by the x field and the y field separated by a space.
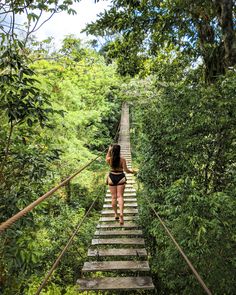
pixel 58 110
pixel 174 61
pixel 186 138
pixel 182 57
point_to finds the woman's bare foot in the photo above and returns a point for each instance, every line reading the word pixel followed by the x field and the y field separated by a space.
pixel 121 219
pixel 116 216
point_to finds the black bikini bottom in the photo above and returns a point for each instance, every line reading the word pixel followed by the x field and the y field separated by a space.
pixel 116 178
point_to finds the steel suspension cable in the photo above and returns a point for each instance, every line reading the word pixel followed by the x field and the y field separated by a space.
pixel 74 233
pixel 65 248
pixel 14 218
pixel 31 206
pixel 198 277
pixel 55 264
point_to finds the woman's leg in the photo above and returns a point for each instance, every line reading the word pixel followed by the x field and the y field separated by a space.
pixel 113 198
pixel 120 193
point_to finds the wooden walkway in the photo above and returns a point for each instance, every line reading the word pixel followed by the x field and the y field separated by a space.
pixel 116 248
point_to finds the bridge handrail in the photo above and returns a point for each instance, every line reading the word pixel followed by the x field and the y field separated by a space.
pixel 30 207
pixel 64 249
pixel 196 274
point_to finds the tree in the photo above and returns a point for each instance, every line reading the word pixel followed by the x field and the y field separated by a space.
pixel 203 29
pixel 183 134
pixel 64 108
pixel 34 10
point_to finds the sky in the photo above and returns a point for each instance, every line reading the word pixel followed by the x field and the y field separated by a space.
pixel 63 24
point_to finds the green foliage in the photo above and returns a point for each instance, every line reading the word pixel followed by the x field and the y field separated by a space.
pixel 60 108
pixel 74 95
pixel 35 7
pixel 124 53
pixel 203 29
pixel 186 137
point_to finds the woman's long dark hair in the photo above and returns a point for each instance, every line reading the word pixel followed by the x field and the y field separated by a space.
pixel 115 156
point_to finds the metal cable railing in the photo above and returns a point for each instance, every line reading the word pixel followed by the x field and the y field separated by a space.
pixel 55 264
pixel 6 224
pixel 31 206
pixel 194 271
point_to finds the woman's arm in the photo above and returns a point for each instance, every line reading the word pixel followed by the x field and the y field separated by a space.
pixel 126 169
pixel 108 155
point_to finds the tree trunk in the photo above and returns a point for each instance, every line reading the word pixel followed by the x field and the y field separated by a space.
pixel 225 17
pixel 213 54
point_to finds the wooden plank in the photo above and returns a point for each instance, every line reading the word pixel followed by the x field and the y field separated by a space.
pixel 127 190
pixel 115 265
pixel 126 211
pixel 118 241
pixel 129 186
pixel 128 194
pixel 128 199
pixel 117 252
pixel 132 193
pixel 116 284
pixel 126 205
pixel 117 225
pixel 109 218
pixel 118 233
pixel 125 200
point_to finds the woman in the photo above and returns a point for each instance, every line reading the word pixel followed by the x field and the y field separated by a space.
pixel 116 178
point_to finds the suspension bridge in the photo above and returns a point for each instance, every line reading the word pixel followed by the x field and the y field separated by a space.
pixel 119 248
pixel 117 252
